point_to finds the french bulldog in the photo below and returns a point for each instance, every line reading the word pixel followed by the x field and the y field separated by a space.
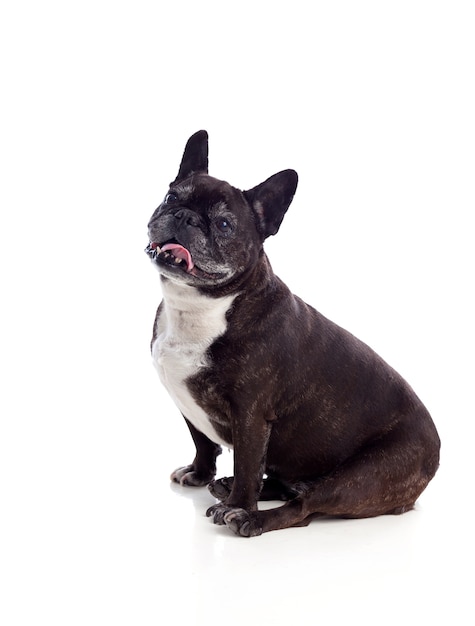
pixel 314 416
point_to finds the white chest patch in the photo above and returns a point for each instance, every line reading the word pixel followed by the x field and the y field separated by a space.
pixel 188 324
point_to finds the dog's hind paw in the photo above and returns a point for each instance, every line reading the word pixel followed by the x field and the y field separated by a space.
pixel 187 476
pixel 221 488
pixel 238 520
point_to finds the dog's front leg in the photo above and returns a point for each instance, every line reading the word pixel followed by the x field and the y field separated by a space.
pixel 250 439
pixel 203 468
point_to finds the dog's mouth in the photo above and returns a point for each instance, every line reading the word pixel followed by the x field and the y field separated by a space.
pixel 171 253
pixel 176 257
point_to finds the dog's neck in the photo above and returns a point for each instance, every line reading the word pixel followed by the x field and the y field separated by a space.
pixel 191 315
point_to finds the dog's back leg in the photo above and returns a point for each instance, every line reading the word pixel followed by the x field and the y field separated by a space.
pixel 386 477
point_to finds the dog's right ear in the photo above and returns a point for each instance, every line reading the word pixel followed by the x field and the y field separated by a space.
pixel 195 156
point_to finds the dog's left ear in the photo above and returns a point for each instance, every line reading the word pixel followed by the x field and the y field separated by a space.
pixel 271 199
pixel 195 156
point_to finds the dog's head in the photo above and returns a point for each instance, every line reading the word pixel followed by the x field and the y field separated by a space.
pixel 207 233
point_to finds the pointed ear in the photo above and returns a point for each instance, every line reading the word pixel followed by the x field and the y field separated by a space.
pixel 195 156
pixel 271 199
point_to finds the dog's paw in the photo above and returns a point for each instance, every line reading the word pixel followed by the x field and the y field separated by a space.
pixel 217 513
pixel 242 523
pixel 221 488
pixel 187 476
pixel 238 520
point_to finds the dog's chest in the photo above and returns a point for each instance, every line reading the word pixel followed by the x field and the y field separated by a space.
pixel 186 327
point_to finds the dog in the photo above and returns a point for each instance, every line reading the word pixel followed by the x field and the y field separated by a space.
pixel 314 416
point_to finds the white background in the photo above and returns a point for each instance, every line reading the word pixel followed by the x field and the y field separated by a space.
pixel 373 104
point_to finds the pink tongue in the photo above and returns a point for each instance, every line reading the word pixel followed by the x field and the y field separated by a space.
pixel 180 253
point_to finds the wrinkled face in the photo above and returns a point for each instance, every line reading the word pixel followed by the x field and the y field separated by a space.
pixel 204 233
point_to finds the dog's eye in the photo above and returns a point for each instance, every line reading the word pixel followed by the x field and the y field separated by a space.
pixel 223 225
pixel 170 198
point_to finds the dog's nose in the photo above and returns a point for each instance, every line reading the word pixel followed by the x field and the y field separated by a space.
pixel 186 217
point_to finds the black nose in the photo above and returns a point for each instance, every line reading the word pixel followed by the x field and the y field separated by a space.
pixel 186 217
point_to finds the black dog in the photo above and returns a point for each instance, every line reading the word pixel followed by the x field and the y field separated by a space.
pixel 314 416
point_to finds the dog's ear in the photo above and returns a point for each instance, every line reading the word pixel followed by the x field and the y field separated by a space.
pixel 195 156
pixel 271 199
